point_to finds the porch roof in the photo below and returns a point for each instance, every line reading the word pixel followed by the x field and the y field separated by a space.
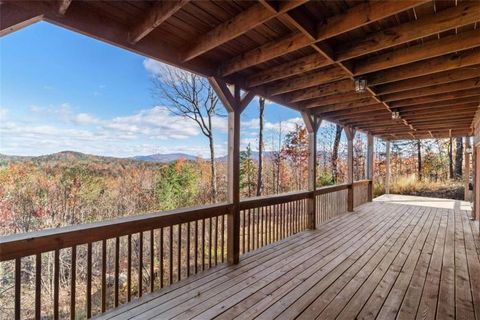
pixel 420 58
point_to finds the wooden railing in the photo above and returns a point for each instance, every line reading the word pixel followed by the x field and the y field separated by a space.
pixel 361 192
pixel 331 202
pixel 84 270
pixel 120 259
pixel 264 220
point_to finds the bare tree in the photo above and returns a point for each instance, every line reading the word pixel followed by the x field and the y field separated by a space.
pixel 419 160
pixel 336 143
pixel 458 158
pixel 450 158
pixel 190 96
pixel 261 108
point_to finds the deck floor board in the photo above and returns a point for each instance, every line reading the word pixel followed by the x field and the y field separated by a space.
pixel 397 257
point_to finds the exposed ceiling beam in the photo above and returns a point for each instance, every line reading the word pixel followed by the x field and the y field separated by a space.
pixel 324 76
pixel 338 98
pixel 158 14
pixel 452 102
pixel 63 6
pixel 421 68
pixel 430 49
pixel 435 98
pixel 428 91
pixel 305 64
pixel 429 80
pixel 464 13
pixel 355 17
pixel 366 102
pixel 361 15
pixel 337 87
pixel 12 18
pixel 252 17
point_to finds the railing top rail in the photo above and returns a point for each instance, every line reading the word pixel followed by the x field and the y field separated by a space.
pixel 362 181
pixel 262 201
pixel 330 189
pixel 25 244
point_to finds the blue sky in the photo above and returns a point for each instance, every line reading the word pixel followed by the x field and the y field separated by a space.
pixel 60 90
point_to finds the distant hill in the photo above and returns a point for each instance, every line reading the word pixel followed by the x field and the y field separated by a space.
pixel 165 158
pixel 78 156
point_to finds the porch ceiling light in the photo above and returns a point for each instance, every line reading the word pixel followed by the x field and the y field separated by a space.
pixel 360 85
pixel 395 115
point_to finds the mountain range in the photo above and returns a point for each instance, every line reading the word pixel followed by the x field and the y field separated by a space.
pixel 74 155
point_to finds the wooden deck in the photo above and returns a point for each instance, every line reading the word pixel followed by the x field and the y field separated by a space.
pixel 397 257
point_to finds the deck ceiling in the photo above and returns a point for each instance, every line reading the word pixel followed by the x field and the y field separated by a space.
pixel 420 58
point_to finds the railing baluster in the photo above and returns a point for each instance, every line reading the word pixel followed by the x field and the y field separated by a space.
pixel 18 284
pixel 170 252
pixel 223 238
pixel 104 275
pixel 38 285
pixel 56 283
pixel 196 246
pixel 209 243
pixel 203 244
pixel 216 240
pixel 188 249
pixel 73 271
pixel 243 231
pixel 117 269
pixel 152 261
pixel 179 253
pixel 160 258
pixel 129 268
pixel 89 280
pixel 140 264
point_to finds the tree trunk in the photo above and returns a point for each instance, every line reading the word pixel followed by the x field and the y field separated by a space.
pixel 261 107
pixel 458 158
pixel 419 160
pixel 450 158
pixel 336 143
pixel 213 168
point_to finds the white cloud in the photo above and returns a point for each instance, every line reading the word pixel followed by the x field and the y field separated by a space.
pixel 84 119
pixel 287 125
pixel 153 66
pixel 3 113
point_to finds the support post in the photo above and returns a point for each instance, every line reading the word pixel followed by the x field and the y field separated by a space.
pixel 235 104
pixel 350 132
pixel 466 171
pixel 312 123
pixel 387 169
pixel 370 166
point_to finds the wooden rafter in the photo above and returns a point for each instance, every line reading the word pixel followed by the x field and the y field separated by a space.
pixel 356 17
pixel 431 49
pixel 159 13
pixel 465 13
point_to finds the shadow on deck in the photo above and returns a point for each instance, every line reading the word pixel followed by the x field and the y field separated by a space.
pixel 397 257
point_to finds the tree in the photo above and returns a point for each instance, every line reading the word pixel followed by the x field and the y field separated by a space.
pixel 336 143
pixel 296 151
pixel 419 160
pixel 450 158
pixel 458 158
pixel 247 171
pixel 261 108
pixel 190 96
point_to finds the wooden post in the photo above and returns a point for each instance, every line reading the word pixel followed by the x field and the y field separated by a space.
pixel 312 123
pixel 466 172
pixel 350 132
pixel 387 169
pixel 370 166
pixel 235 104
